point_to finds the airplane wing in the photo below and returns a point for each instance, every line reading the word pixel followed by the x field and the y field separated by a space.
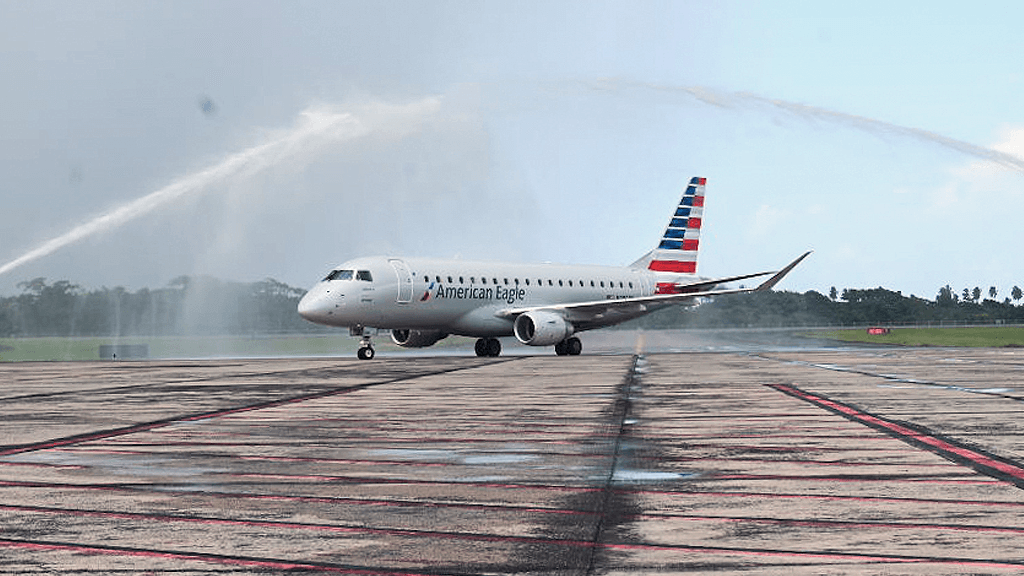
pixel 585 315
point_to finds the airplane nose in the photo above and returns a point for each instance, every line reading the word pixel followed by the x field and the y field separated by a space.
pixel 314 307
pixel 306 307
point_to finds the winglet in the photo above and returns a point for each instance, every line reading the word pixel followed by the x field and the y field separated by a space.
pixel 771 282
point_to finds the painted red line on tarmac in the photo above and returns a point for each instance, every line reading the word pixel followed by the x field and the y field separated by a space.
pixel 771 495
pixel 310 460
pixel 145 427
pixel 832 523
pixel 824 555
pixel 871 478
pixel 477 537
pixel 392 502
pixel 826 463
pixel 350 442
pixel 281 525
pixel 198 557
pixel 983 463
pixel 383 480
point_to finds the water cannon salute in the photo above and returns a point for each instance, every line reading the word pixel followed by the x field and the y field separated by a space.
pixel 422 300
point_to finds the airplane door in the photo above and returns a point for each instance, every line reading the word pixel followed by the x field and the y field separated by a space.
pixel 404 281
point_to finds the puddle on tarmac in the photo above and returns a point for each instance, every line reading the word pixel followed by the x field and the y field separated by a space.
pixel 143 466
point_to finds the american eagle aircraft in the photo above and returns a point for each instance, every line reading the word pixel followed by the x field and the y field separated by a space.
pixel 423 300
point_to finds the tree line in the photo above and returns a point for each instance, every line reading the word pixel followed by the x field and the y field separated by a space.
pixel 188 305
pixel 198 305
pixel 853 307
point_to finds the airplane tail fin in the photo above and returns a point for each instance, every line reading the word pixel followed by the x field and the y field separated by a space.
pixel 677 251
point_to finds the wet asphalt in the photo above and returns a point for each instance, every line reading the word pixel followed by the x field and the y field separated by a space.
pixel 746 458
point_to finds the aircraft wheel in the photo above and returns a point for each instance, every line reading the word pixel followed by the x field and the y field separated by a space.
pixel 365 353
pixel 561 349
pixel 493 347
pixel 481 347
pixel 573 346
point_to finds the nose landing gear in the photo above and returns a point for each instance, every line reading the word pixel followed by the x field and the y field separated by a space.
pixel 365 351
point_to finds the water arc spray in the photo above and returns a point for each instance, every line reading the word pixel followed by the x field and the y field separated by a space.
pixel 730 100
pixel 316 130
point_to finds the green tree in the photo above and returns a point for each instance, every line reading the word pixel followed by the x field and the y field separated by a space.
pixel 946 297
pixel 1016 293
pixel 992 292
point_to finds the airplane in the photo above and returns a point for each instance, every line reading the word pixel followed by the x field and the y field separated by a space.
pixel 424 300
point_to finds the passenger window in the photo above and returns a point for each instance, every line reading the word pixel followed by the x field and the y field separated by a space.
pixel 630 285
pixel 472 279
pixel 438 278
pixel 483 279
pixel 426 279
pixel 550 283
pixel 496 281
pixel 559 282
pixel 591 283
pixel 461 281
pixel 506 281
pixel 450 281
pixel 364 275
pixel 527 281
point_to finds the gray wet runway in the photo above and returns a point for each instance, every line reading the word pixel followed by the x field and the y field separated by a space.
pixel 853 461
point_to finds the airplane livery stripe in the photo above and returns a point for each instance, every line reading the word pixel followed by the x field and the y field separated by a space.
pixel 673 266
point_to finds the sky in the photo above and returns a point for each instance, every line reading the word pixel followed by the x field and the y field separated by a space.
pixel 141 141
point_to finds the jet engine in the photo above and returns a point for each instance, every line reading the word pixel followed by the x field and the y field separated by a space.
pixel 541 328
pixel 416 338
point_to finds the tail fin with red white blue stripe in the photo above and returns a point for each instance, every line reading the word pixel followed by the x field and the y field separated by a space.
pixel 677 251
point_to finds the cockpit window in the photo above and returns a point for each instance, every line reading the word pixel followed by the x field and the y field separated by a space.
pixel 339 275
pixel 364 275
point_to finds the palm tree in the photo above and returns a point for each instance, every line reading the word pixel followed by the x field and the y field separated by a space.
pixel 1016 293
pixel 992 292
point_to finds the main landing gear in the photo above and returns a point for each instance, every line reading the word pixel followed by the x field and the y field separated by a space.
pixel 569 347
pixel 489 347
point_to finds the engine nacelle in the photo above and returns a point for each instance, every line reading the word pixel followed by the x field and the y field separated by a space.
pixel 416 338
pixel 541 328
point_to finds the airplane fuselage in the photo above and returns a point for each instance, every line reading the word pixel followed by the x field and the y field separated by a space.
pixel 466 298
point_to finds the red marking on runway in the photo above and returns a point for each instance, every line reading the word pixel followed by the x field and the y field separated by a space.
pixel 831 497
pixel 473 537
pixel 871 478
pixel 777 461
pixel 831 523
pixel 389 480
pixel 393 502
pixel 988 465
pixel 145 427
pixel 208 558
